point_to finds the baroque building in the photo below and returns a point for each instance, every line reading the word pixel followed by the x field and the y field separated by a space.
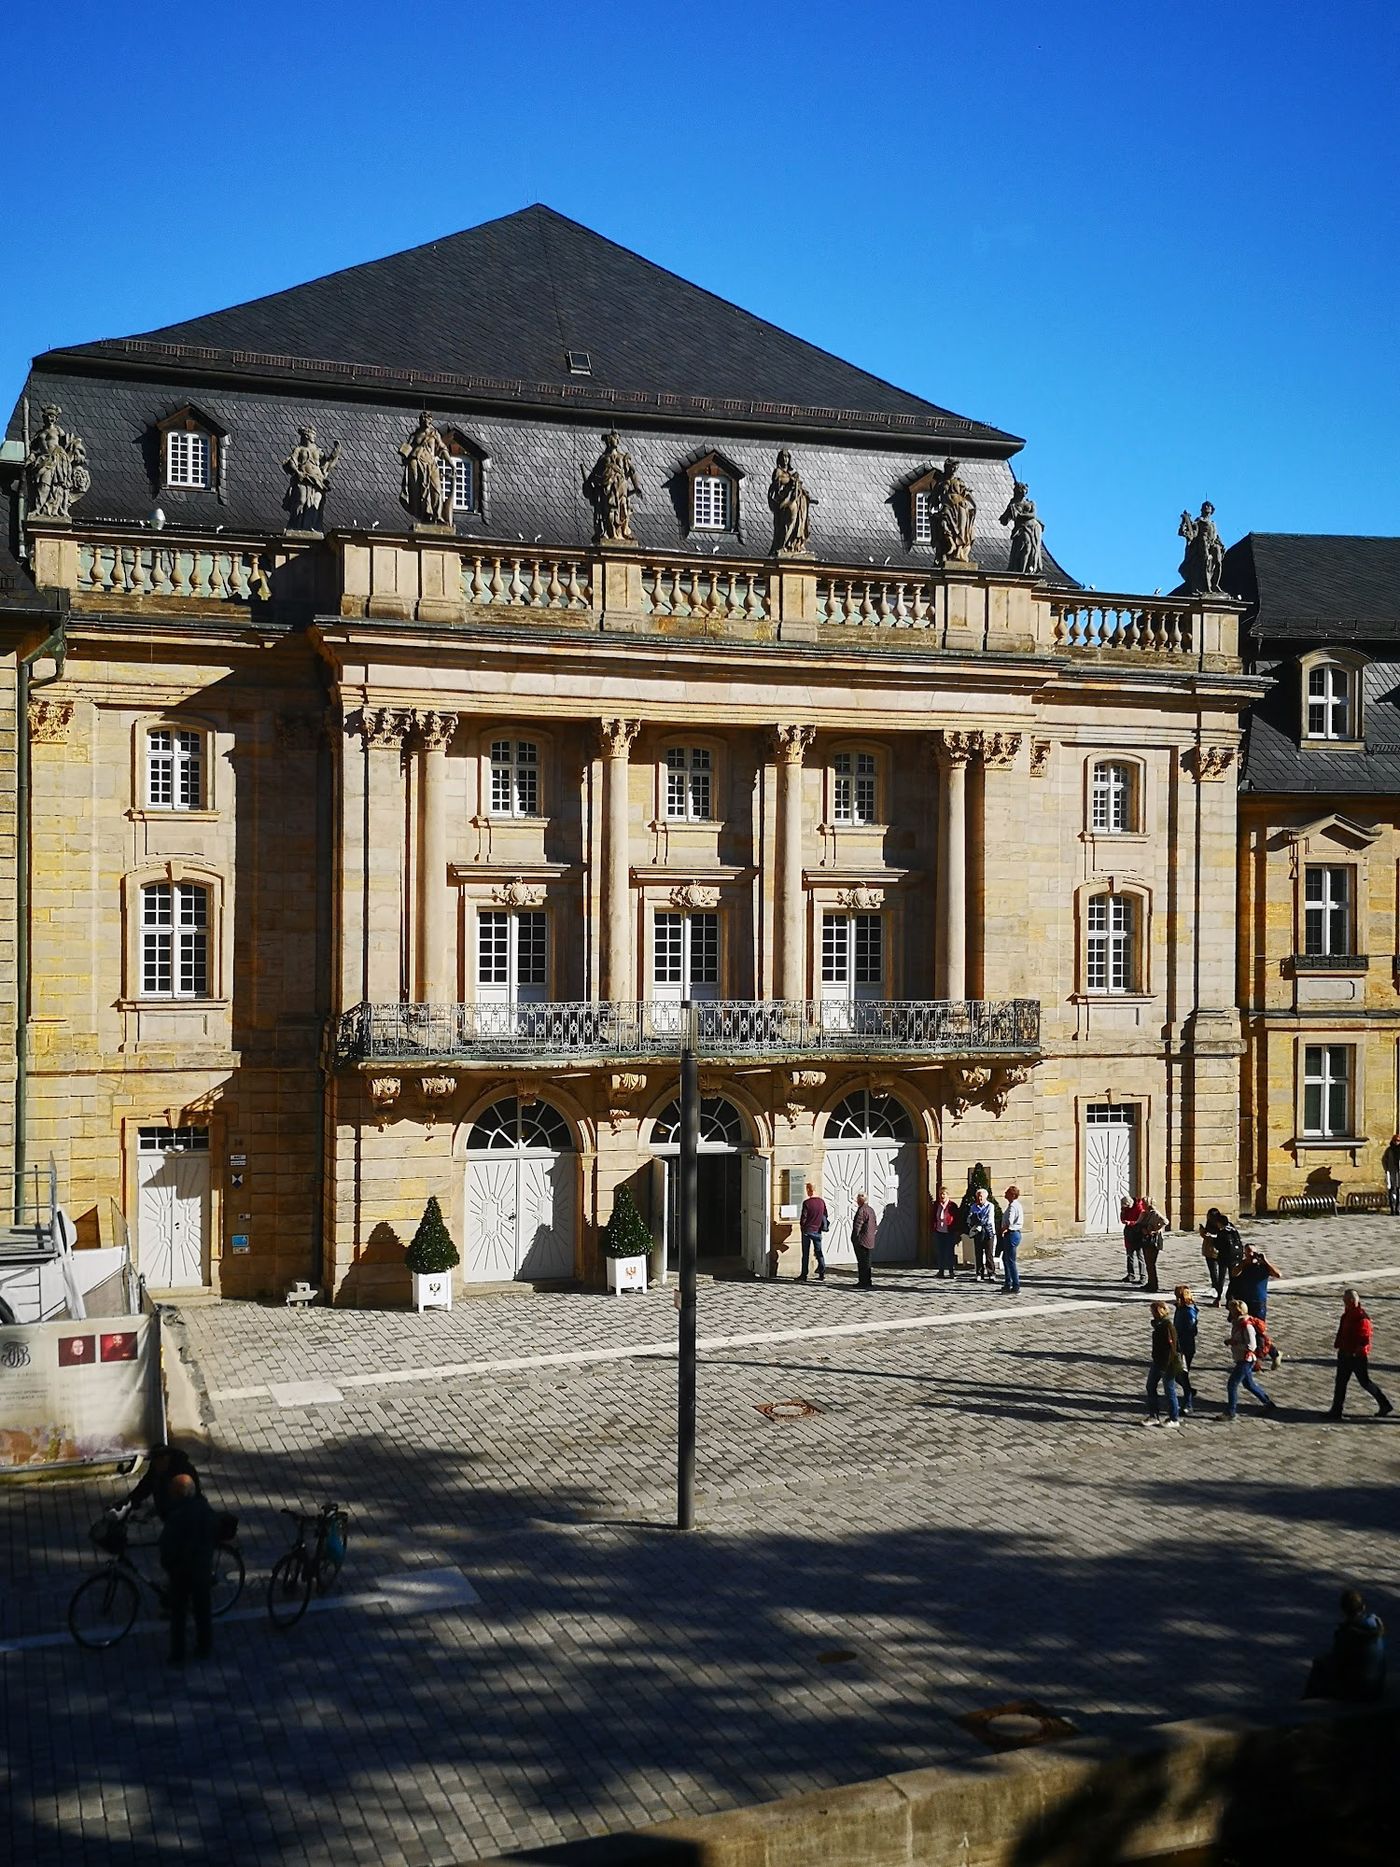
pixel 405 769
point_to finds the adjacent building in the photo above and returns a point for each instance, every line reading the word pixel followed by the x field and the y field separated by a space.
pixel 471 659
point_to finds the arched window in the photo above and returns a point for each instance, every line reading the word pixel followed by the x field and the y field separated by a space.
pixel 1330 710
pixel 866 1116
pixel 1111 958
pixel 1113 798
pixel 721 1125
pixel 174 940
pixel 513 1126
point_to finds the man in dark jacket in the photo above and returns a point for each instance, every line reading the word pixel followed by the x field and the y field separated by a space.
pixel 863 1223
pixel 166 1464
pixel 1355 1668
pixel 187 1555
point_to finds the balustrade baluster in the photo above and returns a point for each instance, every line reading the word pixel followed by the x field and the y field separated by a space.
pixel 578 598
pixel 883 613
pixel 218 583
pixel 536 596
pixel 139 581
pixel 201 573
pixel 498 588
pixel 554 590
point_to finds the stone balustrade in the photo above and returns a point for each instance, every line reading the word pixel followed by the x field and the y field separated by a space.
pixel 207 573
pixel 877 602
pixel 558 583
pixel 710 592
pixel 1162 626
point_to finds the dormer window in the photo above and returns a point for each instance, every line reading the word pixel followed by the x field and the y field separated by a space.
pixel 1329 702
pixel 462 473
pixel 712 494
pixel 917 518
pixel 191 449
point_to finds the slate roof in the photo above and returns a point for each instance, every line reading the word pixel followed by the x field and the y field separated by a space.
pixel 1328 586
pixel 493 310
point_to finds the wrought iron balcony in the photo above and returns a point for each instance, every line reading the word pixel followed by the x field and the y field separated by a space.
pixel 741 1028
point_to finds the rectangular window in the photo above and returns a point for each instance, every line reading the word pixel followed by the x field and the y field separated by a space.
pixel 1111 796
pixel 853 788
pixel 174 775
pixel 853 955
pixel 666 950
pixel 186 459
pixel 711 507
pixel 1110 958
pixel 493 949
pixel 1329 709
pixel 458 478
pixel 688 774
pixel 512 957
pixel 1327 925
pixel 685 955
pixel 1327 1073
pixel 174 940
pixel 923 518
pixel 174 1141
pixel 515 778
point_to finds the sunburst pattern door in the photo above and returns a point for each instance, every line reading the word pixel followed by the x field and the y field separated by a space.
pixel 491 1220
pixel 892 1175
pixel 843 1176
pixel 174 1198
pixel 545 1212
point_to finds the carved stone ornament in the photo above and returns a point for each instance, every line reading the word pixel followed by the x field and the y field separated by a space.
pixel 1040 758
pixel 384 1092
pixel 1000 748
pixel 789 743
pixel 1007 1081
pixel 434 731
pixel 1205 554
pixel 308 472
pixel 617 736
pixel 1027 559
pixel 808 1080
pixel 299 732
pixel 959 747
pixel 518 893
pixel 56 469
pixel 966 1087
pixel 436 1090
pixel 954 514
pixel 423 489
pixel 791 506
pixel 381 726
pixel 627 1082
pixel 860 900
pixel 610 486
pixel 49 721
pixel 1208 762
pixel 689 896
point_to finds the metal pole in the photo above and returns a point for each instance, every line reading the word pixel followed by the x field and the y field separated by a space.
pixel 689 1229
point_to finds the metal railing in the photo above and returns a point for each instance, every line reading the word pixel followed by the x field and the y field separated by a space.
pixel 652 1027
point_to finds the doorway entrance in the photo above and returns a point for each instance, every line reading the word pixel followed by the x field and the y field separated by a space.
pixel 1110 1163
pixel 172 1207
pixel 732 1190
pixel 871 1148
pixel 520 1194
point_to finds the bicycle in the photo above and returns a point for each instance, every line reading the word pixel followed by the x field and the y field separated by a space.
pixel 104 1607
pixel 304 1568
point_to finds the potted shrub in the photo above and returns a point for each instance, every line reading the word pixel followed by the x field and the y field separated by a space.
pixel 626 1244
pixel 431 1258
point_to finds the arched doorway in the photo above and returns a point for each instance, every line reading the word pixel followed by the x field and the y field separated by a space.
pixel 521 1194
pixel 871 1148
pixel 732 1190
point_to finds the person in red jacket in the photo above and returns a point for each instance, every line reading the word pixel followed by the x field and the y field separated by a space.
pixel 1353 1346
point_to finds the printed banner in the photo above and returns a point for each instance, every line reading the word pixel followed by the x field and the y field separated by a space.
pixel 75 1393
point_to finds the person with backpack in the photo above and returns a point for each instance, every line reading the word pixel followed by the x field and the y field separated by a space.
pixel 1166 1369
pixel 1247 1340
pixel 945 1233
pixel 1250 1283
pixel 1186 1321
pixel 981 1225
pixel 1353 1346
pixel 1222 1248
pixel 1130 1214
pixel 814 1220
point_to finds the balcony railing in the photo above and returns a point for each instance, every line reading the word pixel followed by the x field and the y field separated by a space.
pixel 651 1028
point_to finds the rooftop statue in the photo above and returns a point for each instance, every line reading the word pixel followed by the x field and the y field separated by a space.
pixel 309 471
pixel 791 506
pixel 610 488
pixel 954 513
pixel 1027 533
pixel 424 482
pixel 57 468
pixel 1205 555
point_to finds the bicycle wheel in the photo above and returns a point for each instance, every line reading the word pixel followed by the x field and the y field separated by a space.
pixel 103 1609
pixel 331 1556
pixel 289 1589
pixel 229 1576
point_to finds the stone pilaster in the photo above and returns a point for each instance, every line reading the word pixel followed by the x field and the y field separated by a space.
pixel 789 744
pixel 618 979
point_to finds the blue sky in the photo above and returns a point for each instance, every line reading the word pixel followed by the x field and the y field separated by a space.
pixel 1158 241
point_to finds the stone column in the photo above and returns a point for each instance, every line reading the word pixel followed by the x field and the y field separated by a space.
pixel 956 749
pixel 374 857
pixel 437 946
pixel 789 969
pixel 618 979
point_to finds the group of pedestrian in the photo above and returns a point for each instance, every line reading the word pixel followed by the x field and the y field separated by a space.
pixel 992 1235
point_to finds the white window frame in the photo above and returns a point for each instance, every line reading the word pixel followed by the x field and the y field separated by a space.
pixel 187 458
pixel 512 956
pixel 686 956
pixel 457 476
pixel 1329 690
pixel 688 774
pixel 1329 1091
pixel 1112 798
pixel 514 776
pixel 174 767
pixel 922 517
pixel 852 956
pixel 1328 908
pixel 1112 955
pixel 176 921
pixel 855 788
pixel 712 503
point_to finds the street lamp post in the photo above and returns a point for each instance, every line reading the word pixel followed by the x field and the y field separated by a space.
pixel 689 1228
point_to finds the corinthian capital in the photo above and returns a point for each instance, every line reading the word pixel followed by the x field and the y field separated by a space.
pixel 381 726
pixel 958 748
pixel 1000 748
pixel 617 736
pixel 789 743
pixel 1208 762
pixel 434 730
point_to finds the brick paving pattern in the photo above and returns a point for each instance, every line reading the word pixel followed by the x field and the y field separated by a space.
pixel 974 1513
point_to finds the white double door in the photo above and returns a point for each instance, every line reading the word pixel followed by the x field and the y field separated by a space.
pixel 1110 1164
pixel 887 1172
pixel 172 1213
pixel 755 1207
pixel 520 1217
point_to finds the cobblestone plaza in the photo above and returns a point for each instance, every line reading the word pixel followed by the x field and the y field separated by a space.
pixel 972 1513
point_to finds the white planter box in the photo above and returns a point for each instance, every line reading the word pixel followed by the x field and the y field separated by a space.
pixel 432 1290
pixel 626 1274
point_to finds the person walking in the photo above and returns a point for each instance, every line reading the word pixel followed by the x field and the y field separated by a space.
pixel 1012 1223
pixel 1390 1163
pixel 1130 1214
pixel 1243 1341
pixel 1250 1283
pixel 1165 1370
pixel 1186 1320
pixel 1353 1346
pixel 814 1220
pixel 945 1233
pixel 981 1224
pixel 187 1556
pixel 1222 1248
pixel 1151 1230
pixel 863 1224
